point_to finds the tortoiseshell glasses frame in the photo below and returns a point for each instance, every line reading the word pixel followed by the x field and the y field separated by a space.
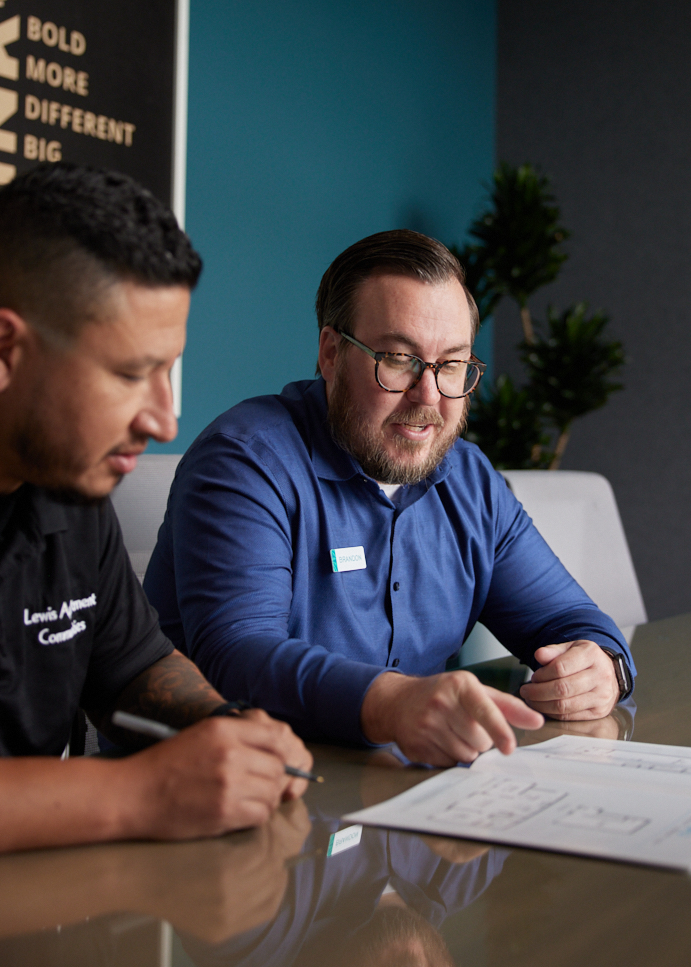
pixel 411 368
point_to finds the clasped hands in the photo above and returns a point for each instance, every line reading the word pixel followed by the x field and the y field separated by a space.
pixel 452 717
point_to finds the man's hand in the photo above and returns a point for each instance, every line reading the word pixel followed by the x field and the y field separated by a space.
pixel 443 719
pixel 576 681
pixel 215 776
pixel 218 774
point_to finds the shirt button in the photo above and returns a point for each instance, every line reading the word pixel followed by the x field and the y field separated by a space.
pixel 396 662
pixel 396 586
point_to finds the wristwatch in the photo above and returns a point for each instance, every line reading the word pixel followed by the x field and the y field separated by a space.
pixel 621 670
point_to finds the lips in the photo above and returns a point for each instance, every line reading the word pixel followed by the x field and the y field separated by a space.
pixel 416 424
pixel 123 463
pixel 418 417
pixel 413 431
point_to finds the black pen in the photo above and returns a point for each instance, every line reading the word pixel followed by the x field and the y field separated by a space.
pixel 157 730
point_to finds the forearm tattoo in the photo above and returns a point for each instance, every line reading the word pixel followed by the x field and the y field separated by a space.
pixel 172 690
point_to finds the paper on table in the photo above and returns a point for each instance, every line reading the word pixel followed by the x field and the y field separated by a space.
pixel 628 801
pixel 638 764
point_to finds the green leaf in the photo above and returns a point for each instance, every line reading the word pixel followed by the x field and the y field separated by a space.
pixel 515 243
pixel 477 280
pixel 571 367
pixel 505 423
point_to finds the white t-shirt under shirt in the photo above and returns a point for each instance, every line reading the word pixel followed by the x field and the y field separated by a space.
pixel 390 490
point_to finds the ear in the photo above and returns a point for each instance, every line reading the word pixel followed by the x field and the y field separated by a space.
pixel 14 336
pixel 328 351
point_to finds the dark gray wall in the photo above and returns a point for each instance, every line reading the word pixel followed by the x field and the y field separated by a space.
pixel 598 93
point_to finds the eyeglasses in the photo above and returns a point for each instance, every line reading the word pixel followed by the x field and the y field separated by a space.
pixel 400 372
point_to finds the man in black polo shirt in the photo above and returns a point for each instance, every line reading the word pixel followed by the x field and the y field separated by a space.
pixel 95 282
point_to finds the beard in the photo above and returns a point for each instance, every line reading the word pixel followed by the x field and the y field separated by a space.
pixel 52 463
pixel 355 434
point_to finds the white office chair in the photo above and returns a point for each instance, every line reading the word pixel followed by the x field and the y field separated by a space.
pixel 140 502
pixel 577 515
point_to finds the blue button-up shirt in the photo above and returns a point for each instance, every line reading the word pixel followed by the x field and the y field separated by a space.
pixel 243 579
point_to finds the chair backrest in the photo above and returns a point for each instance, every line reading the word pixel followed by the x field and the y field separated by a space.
pixel 577 515
pixel 140 502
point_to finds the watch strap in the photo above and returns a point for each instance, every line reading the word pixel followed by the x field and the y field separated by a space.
pixel 621 670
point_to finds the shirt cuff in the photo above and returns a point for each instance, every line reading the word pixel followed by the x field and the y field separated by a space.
pixel 339 701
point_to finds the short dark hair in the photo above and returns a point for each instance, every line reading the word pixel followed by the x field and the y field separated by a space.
pixel 400 252
pixel 67 232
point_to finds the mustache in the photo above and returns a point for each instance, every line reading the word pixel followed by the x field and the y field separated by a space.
pixel 416 415
pixel 136 446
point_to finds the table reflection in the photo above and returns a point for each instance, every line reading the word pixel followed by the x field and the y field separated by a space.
pixel 104 904
pixel 379 902
pixel 267 897
pixel 619 724
pixel 275 897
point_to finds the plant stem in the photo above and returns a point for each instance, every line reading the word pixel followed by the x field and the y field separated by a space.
pixel 528 330
pixel 560 447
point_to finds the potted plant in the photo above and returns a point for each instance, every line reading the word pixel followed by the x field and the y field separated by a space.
pixel 515 248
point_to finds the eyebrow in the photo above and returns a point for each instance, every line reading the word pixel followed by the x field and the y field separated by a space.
pixel 400 337
pixel 141 362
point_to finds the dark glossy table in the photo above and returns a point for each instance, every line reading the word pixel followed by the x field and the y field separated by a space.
pixel 275 897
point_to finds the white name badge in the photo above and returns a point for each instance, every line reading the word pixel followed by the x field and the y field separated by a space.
pixel 344 839
pixel 348 559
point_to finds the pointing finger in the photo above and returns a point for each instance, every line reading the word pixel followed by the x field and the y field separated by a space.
pixel 480 706
pixel 516 711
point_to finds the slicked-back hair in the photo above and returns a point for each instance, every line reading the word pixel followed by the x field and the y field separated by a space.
pixel 399 252
pixel 68 232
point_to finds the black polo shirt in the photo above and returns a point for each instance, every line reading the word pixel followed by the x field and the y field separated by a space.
pixel 75 625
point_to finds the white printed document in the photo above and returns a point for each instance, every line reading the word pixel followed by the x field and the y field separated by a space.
pixel 627 801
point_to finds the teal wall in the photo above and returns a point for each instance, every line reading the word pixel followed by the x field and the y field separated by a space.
pixel 312 124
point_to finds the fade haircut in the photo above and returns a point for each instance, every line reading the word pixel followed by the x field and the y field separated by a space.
pixel 399 252
pixel 68 233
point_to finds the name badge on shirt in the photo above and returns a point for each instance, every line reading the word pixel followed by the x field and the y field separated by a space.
pixel 348 559
pixel 344 839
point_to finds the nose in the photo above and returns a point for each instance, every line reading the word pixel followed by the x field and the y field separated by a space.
pixel 156 418
pixel 425 392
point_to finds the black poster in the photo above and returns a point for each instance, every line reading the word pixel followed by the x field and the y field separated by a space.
pixel 89 81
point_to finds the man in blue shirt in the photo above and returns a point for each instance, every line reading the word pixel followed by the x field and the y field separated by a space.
pixel 326 550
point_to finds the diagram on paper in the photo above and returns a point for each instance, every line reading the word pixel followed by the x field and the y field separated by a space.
pixel 500 804
pixel 627 760
pixel 680 830
pixel 600 820
pixel 560 795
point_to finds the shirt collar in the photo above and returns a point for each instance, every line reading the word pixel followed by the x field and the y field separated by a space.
pixel 330 461
pixel 49 512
